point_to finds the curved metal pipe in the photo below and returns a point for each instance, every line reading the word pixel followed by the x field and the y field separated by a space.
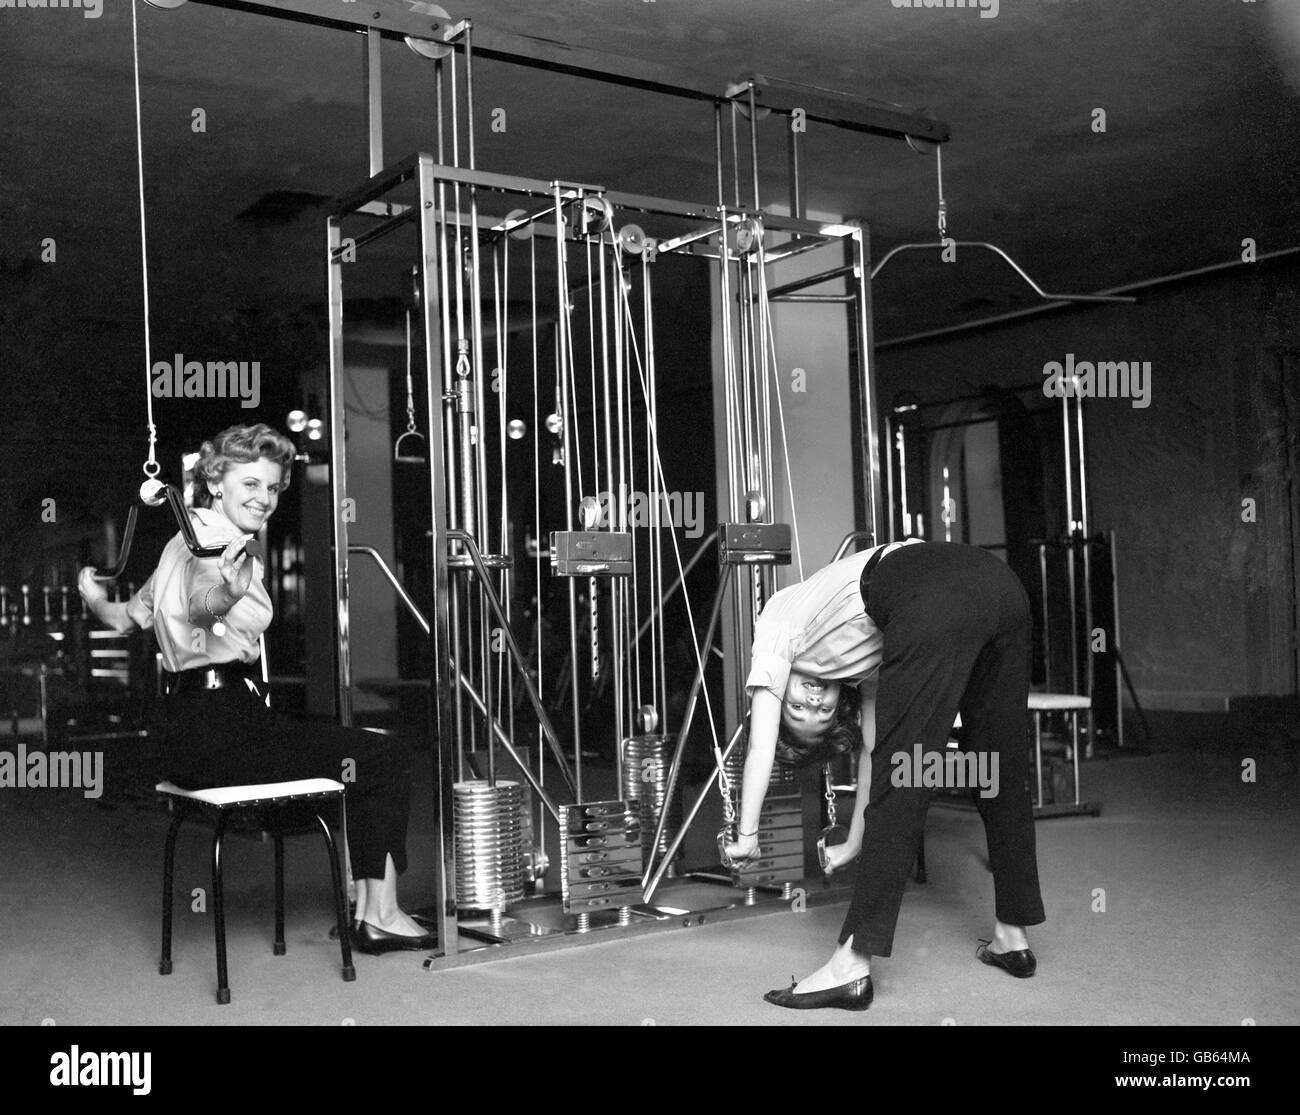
pixel 929 245
pixel 182 516
pixel 124 551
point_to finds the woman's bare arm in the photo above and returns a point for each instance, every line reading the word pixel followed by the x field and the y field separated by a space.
pixel 108 613
pixel 764 721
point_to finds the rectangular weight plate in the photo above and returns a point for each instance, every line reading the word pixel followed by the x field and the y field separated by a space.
pixel 755 543
pixel 602 826
pixel 598 902
pixel 603 841
pixel 599 809
pixel 769 878
pixel 591 553
pixel 579 867
pixel 781 818
pixel 611 887
pixel 605 855
pixel 772 863
pixel 784 848
pixel 780 829
pixel 621 859
pixel 613 871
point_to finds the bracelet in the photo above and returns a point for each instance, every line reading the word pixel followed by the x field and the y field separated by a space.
pixel 218 628
pixel 754 833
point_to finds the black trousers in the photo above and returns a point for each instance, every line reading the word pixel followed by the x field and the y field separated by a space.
pixel 957 628
pixel 228 737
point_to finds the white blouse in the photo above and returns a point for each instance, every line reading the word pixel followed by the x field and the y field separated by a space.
pixel 163 602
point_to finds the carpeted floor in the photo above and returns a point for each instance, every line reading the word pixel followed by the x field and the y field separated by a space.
pixel 1179 905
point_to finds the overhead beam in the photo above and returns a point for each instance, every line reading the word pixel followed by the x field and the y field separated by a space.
pixel 399 18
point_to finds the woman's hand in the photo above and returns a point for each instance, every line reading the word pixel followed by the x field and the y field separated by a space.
pixel 837 855
pixel 745 848
pixel 236 569
pixel 92 592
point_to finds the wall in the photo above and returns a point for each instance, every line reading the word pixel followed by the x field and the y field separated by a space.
pixel 1206 599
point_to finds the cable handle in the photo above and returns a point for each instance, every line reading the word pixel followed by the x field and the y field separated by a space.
pixel 153 493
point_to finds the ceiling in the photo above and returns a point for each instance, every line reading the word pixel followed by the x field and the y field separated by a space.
pixel 1202 103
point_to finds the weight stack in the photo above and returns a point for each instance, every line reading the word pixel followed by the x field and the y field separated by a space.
pixel 780 827
pixel 646 759
pixel 489 826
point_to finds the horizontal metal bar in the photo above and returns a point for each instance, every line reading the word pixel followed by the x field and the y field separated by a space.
pixel 813 298
pixel 1143 284
pixel 1027 413
pixel 812 280
pixel 398 19
pixel 839 109
pixel 352 243
pixel 909 407
pixel 390 17
pixel 811 234
pixel 376 186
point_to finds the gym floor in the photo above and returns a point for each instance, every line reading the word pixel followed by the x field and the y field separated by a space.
pixel 1176 906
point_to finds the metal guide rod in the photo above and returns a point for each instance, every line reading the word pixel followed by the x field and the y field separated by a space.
pixel 502 738
pixel 1069 554
pixel 697 683
pixel 338 472
pixel 648 890
pixel 863 385
pixel 1090 665
pixel 485 587
pixel 890 495
pixel 440 706
pixel 1114 640
pixel 374 100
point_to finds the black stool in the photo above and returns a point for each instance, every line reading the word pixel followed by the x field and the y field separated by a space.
pixel 222 802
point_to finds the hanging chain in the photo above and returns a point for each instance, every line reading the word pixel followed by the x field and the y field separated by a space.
pixel 829 795
pixel 410 389
pixel 724 785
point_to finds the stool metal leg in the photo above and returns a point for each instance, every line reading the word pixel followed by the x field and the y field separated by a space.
pixel 219 910
pixel 278 948
pixel 1074 734
pixel 169 866
pixel 340 902
pixel 1038 756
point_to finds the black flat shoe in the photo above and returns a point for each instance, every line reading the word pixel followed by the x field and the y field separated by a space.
pixel 1020 963
pixel 375 942
pixel 334 929
pixel 854 995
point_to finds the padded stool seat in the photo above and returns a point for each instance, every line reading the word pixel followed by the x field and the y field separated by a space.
pixel 1053 702
pixel 252 795
pixel 1071 704
pixel 223 802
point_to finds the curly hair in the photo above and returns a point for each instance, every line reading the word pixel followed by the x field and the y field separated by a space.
pixel 839 739
pixel 239 445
